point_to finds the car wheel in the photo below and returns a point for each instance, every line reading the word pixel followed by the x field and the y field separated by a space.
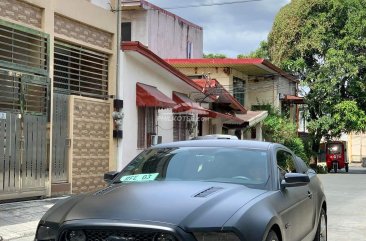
pixel 321 232
pixel 272 236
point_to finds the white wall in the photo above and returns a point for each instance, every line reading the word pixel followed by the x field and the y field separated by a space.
pixel 168 36
pixel 139 28
pixel 140 70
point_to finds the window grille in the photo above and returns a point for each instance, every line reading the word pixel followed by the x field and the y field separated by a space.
pixel 80 71
pixel 23 92
pixel 146 126
pixel 180 127
pixel 23 49
pixel 239 90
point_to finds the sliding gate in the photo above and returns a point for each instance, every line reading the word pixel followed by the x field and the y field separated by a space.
pixel 23 134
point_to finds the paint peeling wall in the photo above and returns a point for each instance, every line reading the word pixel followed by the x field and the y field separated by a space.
pixel 168 36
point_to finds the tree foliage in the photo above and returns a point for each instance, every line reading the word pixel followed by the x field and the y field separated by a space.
pixel 324 43
pixel 277 128
pixel 214 56
pixel 261 52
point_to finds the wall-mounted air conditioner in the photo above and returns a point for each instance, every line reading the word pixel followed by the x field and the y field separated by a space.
pixel 155 139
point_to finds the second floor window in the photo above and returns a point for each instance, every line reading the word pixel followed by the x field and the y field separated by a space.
pixel 126 32
pixel 239 90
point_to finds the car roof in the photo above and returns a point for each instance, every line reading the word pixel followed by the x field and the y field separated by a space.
pixel 218 143
pixel 216 136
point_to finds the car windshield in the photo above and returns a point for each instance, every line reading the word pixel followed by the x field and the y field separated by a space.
pixel 219 164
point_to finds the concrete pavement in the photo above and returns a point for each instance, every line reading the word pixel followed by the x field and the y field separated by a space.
pixel 19 220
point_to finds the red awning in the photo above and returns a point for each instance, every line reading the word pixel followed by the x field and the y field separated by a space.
pixel 150 96
pixel 185 104
pixel 216 91
pixel 214 114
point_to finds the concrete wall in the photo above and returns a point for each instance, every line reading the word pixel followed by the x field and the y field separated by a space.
pixel 357 146
pixel 91 145
pixel 168 36
pixel 164 34
pixel 139 27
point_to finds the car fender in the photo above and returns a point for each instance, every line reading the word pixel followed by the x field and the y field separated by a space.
pixel 254 220
pixel 275 221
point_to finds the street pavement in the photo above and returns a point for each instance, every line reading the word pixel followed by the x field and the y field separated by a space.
pixel 346 197
pixel 19 220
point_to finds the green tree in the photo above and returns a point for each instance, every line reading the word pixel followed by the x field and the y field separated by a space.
pixel 278 128
pixel 214 56
pixel 324 43
pixel 261 52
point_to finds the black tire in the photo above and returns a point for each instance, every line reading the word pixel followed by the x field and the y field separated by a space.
pixel 321 232
pixel 346 167
pixel 272 236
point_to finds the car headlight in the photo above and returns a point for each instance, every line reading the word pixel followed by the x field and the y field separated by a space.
pixel 216 236
pixel 76 235
pixel 45 233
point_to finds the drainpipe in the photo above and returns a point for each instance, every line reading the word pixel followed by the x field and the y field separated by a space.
pixel 119 93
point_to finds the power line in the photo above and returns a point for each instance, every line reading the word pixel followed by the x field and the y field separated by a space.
pixel 213 4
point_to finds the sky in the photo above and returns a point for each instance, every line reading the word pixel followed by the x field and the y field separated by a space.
pixel 230 29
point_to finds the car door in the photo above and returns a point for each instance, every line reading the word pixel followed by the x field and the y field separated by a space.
pixel 297 202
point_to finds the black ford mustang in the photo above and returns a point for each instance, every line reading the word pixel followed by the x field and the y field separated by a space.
pixel 202 190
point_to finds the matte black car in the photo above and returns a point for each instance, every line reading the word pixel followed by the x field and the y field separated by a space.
pixel 201 190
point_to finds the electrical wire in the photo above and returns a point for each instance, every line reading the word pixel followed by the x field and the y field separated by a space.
pixel 213 4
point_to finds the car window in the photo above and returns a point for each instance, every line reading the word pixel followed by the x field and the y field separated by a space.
pixel 302 165
pixel 285 162
pixel 219 164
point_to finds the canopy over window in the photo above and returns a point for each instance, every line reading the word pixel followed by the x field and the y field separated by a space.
pixel 185 104
pixel 150 96
pixel 214 114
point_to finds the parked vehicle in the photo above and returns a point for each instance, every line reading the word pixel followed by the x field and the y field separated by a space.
pixel 202 190
pixel 216 136
pixel 335 156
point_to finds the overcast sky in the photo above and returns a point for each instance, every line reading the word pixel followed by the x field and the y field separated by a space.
pixel 229 29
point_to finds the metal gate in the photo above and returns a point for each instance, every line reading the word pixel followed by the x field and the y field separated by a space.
pixel 60 141
pixel 22 155
pixel 23 134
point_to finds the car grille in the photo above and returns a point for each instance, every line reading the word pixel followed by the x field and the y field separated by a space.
pixel 123 235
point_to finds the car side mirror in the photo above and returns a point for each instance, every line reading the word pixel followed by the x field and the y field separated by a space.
pixel 109 176
pixel 295 180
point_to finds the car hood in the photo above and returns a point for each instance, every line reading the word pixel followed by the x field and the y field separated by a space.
pixel 184 204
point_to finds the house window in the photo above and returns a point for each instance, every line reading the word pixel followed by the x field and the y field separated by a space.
pixel 80 71
pixel 239 90
pixel 180 127
pixel 146 126
pixel 189 49
pixel 126 31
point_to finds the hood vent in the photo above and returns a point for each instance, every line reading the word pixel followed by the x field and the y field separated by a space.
pixel 105 190
pixel 208 191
